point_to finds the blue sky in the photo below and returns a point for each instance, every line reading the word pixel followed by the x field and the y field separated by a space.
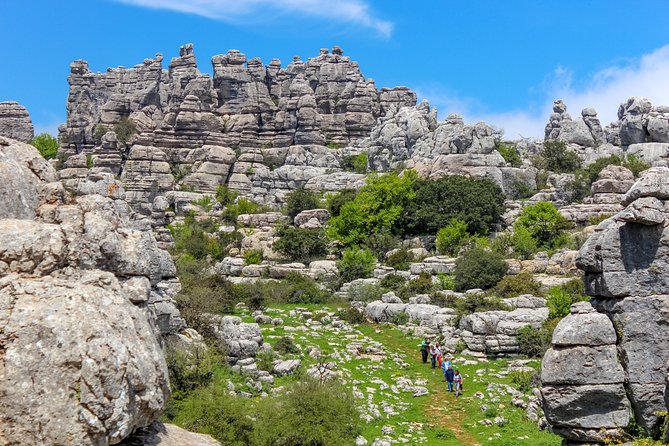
pixel 503 62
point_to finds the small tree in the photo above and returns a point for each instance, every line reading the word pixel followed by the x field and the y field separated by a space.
pixel 544 223
pixel 509 153
pixel 356 264
pixel 451 237
pixel 300 244
pixel 46 145
pixel 301 200
pixel 478 268
pixel 124 130
pixel 558 158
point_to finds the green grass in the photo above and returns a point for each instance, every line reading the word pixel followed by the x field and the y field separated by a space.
pixel 436 419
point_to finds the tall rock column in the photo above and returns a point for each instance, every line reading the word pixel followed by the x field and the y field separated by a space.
pixel 595 394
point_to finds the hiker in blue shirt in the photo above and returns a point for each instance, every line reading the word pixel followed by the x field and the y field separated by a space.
pixel 449 375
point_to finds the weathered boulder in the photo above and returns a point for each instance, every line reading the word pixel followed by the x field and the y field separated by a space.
pixel 160 434
pixel 242 340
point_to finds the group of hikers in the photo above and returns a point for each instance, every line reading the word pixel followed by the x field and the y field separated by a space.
pixel 437 358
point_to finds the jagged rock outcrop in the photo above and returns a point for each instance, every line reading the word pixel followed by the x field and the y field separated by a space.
pixel 623 261
pixel 85 295
pixel 412 138
pixel 280 121
pixel 15 122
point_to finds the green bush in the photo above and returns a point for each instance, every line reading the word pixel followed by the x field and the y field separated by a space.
pixel 100 131
pixel 392 282
pixel 509 153
pixel 124 130
pixel 224 195
pixel 520 190
pixel 355 163
pixel 356 264
pixel 304 290
pixel 523 379
pixel 421 285
pixel 544 223
pixel 46 145
pixel 377 207
pixel 365 292
pixel 401 318
pixel 524 245
pixel 294 288
pixel 523 283
pixel 477 303
pixel 242 206
pixel 446 281
pixel 452 237
pixel 381 242
pixel 560 298
pixel 195 238
pixel 191 369
pixel 478 268
pixel 265 360
pixel 635 165
pixel 533 342
pixel 212 410
pixel 203 295
pixel 559 158
pixel 286 345
pixel 311 414
pixel 300 244
pixel 301 200
pixel 351 315
pixel 336 201
pixel 478 202
pixel 400 259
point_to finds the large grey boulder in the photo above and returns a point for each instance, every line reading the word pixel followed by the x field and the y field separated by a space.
pixel 81 363
pixel 160 434
pixel 15 122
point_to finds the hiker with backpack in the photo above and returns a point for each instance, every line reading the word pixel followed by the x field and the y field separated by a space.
pixel 424 349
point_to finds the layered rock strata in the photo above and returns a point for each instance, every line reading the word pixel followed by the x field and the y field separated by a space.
pixel 15 122
pixel 618 344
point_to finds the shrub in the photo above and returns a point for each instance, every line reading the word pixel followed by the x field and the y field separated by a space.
pixel 100 131
pixel 205 202
pixel 252 257
pixel 265 360
pixel 89 161
pixel 312 413
pixel 212 410
pixel 400 259
pixel 304 290
pixel 202 296
pixel 560 298
pixel 377 207
pixel 301 200
pixel 286 345
pixel 534 342
pixel 224 195
pixel 46 145
pixel 194 237
pixel 355 163
pixel 336 201
pixel 477 202
pixel 351 315
pixel 524 245
pixel 392 282
pixel 191 369
pixel 124 130
pixel 523 379
pixel 544 223
pixel 446 281
pixel 520 190
pixel 635 165
pixel 356 264
pixel 509 153
pixel 523 283
pixel 479 303
pixel 478 268
pixel 299 244
pixel 558 158
pixel 421 285
pixel 365 292
pixel 451 237
pixel 381 242
pixel 241 206
pixel 401 318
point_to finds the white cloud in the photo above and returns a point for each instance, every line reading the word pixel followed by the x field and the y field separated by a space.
pixel 354 11
pixel 645 76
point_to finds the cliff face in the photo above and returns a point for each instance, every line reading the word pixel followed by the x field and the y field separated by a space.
pixel 15 122
pixel 608 361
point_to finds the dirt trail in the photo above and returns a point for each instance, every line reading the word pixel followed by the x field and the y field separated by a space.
pixel 443 407
pixel 446 410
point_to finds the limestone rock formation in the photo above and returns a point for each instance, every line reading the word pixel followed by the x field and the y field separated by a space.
pixel 15 122
pixel 620 336
pixel 85 295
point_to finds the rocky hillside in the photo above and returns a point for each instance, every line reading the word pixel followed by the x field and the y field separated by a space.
pixel 180 200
